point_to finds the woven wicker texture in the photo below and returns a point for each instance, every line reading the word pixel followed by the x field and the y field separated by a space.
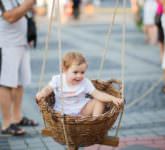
pixel 81 131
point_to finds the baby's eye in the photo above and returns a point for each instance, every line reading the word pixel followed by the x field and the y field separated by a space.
pixel 82 72
pixel 75 72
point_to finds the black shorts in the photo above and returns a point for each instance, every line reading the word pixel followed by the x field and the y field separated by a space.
pixel 160 34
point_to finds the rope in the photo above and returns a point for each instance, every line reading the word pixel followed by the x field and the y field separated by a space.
pixel 107 40
pixel 59 49
pixel 45 54
pixel 122 63
pixel 60 68
pixel 145 94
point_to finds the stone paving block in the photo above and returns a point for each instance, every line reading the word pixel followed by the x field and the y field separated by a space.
pixel 4 145
pixel 160 131
pixel 128 120
pixel 34 147
pixel 18 148
pixel 48 139
pixel 40 148
pixel 139 147
pixel 161 114
pixel 151 116
pixel 127 133
pixel 144 132
pixel 33 140
pixel 55 147
pixel 16 142
pixel 4 148
pixel 40 144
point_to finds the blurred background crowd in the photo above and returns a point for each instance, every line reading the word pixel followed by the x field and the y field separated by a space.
pixel 149 16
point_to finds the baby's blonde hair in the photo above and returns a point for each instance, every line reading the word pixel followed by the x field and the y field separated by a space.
pixel 71 58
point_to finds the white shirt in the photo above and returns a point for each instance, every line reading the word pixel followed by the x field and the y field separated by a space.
pixel 74 97
pixel 12 34
pixel 150 7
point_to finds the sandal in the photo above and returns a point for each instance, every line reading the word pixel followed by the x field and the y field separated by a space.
pixel 14 130
pixel 27 122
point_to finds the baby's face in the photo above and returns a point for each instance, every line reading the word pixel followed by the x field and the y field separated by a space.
pixel 75 73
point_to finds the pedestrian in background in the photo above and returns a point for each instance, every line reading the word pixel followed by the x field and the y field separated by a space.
pixel 158 22
pixel 76 8
pixel 137 10
pixel 163 60
pixel 150 31
pixel 15 71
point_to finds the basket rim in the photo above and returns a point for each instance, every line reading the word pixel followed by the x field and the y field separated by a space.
pixel 84 119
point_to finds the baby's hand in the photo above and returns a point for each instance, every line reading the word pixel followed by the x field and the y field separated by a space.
pixel 118 102
pixel 39 95
pixel 43 93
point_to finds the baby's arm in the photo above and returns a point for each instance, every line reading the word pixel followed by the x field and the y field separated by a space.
pixel 44 92
pixel 104 97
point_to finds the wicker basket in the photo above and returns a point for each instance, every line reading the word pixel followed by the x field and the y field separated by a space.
pixel 81 131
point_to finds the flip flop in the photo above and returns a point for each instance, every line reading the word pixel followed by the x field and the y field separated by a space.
pixel 14 130
pixel 27 122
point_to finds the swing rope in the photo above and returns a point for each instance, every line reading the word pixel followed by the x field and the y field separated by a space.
pixel 140 98
pixel 108 39
pixel 122 62
pixel 46 49
pixel 45 54
pixel 60 69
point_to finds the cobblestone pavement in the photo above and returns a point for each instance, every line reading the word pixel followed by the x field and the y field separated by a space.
pixel 143 124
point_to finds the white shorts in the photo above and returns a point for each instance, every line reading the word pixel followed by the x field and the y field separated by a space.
pixel 14 66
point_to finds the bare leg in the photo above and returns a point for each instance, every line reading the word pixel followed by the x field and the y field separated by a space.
pixel 161 45
pixel 164 76
pixel 163 88
pixel 94 108
pixel 88 108
pixel 153 34
pixel 17 94
pixel 98 108
pixel 5 104
pixel 146 32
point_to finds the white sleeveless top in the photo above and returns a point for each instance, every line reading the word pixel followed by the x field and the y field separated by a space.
pixel 74 97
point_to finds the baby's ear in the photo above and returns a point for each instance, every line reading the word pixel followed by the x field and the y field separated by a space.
pixel 63 69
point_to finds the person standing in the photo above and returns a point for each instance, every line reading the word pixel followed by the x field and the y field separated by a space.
pixel 163 57
pixel 15 71
pixel 158 23
pixel 150 30
pixel 76 8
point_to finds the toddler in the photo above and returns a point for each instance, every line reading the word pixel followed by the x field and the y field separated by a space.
pixel 76 88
